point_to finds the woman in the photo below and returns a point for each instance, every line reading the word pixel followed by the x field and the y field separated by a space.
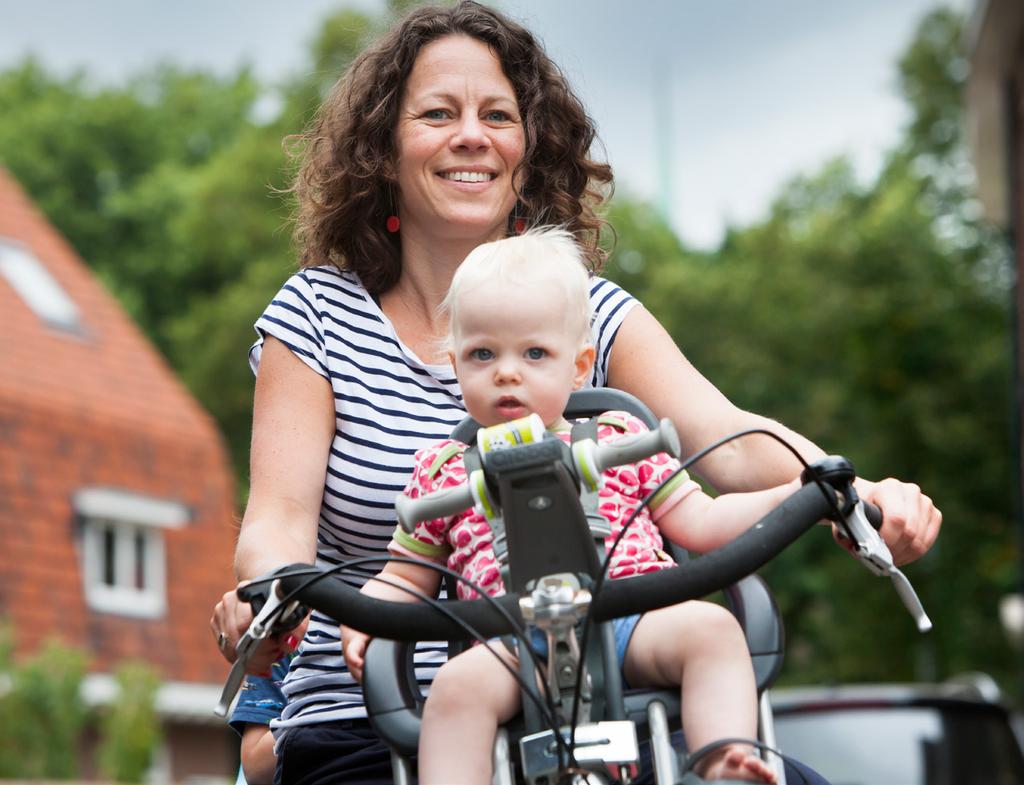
pixel 452 130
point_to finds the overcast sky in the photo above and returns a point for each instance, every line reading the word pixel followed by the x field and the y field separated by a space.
pixel 746 93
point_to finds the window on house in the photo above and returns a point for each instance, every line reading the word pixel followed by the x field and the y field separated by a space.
pixel 123 559
pixel 34 284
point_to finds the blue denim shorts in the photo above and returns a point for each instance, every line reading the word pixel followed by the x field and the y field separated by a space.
pixel 623 628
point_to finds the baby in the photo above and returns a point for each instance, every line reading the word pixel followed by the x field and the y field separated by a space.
pixel 519 340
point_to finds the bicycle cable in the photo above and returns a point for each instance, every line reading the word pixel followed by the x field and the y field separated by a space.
pixel 545 706
pixel 645 502
pixel 567 747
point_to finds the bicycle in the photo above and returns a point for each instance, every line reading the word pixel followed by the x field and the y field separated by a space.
pixel 583 722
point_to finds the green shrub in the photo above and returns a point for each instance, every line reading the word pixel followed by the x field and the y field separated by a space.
pixel 41 711
pixel 129 727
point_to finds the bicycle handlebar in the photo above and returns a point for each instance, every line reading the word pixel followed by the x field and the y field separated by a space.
pixel 873 514
pixel 712 572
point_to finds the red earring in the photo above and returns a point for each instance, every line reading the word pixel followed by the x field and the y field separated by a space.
pixel 519 225
pixel 392 224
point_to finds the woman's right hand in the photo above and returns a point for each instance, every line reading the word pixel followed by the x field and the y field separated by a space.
pixel 232 617
pixel 353 647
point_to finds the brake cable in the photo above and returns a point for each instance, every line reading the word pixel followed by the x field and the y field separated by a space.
pixel 545 706
pixel 645 502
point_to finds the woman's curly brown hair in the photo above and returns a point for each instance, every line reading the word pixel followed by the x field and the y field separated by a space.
pixel 345 186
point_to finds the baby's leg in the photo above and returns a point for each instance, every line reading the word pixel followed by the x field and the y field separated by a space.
pixel 700 647
pixel 471 695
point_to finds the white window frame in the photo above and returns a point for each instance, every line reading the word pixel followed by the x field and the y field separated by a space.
pixel 127 517
pixel 37 286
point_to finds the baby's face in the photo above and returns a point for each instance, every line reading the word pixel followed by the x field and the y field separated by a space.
pixel 513 354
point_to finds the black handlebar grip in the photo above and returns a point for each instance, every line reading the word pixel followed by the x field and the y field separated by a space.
pixel 438 504
pixel 719 568
pixel 874 515
pixel 257 592
pixel 401 621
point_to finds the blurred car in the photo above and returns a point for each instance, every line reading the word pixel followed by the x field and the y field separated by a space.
pixel 955 733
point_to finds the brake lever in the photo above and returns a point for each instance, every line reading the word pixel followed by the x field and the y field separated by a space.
pixel 269 620
pixel 871 550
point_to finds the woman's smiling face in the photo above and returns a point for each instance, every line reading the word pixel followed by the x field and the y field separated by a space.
pixel 458 141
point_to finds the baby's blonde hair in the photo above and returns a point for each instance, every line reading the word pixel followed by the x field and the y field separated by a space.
pixel 543 256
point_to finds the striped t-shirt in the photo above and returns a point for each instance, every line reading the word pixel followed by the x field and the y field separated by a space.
pixel 389 404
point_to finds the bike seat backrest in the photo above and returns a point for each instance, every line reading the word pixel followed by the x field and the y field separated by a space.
pixel 588 402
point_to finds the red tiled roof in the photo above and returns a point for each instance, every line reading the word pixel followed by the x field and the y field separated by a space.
pixel 115 373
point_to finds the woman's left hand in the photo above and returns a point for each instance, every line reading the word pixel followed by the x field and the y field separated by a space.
pixel 910 521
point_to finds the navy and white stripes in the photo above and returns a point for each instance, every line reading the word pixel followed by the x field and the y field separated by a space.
pixel 389 404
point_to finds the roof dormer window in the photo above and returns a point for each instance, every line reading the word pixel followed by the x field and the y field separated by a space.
pixel 124 568
pixel 37 287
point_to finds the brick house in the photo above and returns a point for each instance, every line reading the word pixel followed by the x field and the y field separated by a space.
pixel 116 497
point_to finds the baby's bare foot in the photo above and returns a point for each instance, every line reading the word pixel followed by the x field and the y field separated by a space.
pixel 737 763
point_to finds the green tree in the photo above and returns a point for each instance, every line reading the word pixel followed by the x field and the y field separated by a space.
pixel 85 154
pixel 130 727
pixel 237 217
pixel 873 318
pixel 41 711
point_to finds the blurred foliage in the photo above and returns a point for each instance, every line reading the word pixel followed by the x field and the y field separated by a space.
pixel 43 718
pixel 41 711
pixel 130 727
pixel 873 317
